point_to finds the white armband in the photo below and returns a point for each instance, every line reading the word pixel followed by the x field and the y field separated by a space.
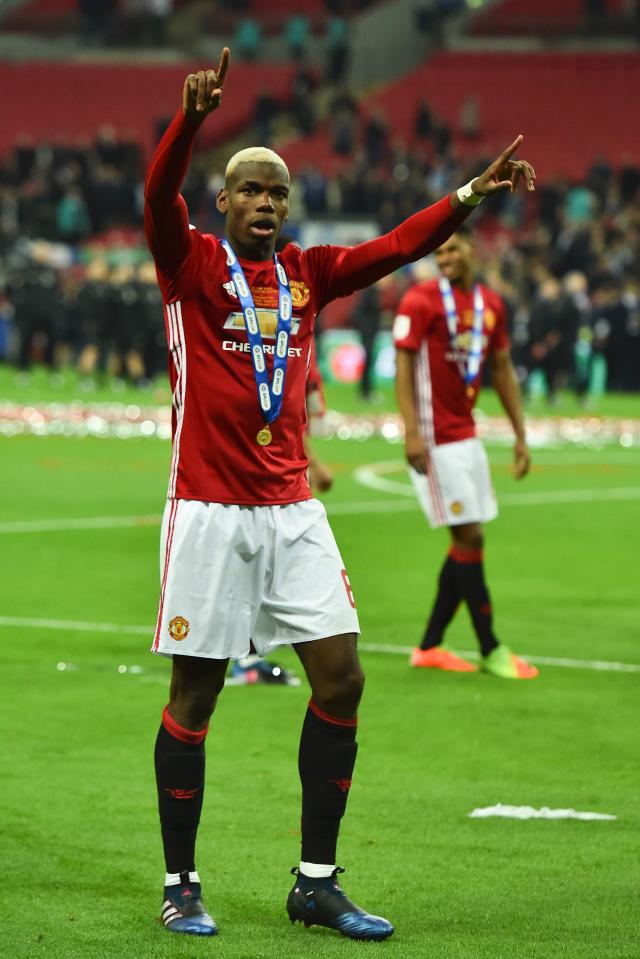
pixel 466 195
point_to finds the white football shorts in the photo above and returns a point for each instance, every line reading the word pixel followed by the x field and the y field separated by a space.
pixel 458 487
pixel 231 574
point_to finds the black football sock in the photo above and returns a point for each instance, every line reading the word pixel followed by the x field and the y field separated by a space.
pixel 179 762
pixel 473 589
pixel 444 607
pixel 326 759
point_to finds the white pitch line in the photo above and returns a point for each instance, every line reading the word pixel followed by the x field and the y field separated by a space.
pixel 595 664
pixel 373 477
pixel 87 522
pixel 17 622
pixel 542 498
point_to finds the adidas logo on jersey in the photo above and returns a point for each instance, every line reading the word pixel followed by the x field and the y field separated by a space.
pixel 230 288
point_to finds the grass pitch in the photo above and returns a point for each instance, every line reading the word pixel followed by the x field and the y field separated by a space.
pixel 79 836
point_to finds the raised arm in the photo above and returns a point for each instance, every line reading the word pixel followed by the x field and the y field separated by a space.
pixel 359 266
pixel 166 219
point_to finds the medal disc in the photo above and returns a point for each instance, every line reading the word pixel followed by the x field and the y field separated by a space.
pixel 471 392
pixel 264 436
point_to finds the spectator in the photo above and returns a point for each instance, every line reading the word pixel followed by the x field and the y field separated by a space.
pixel 266 110
pixel 423 124
pixel 366 320
pixel 248 39
pixel 337 50
pixel 297 37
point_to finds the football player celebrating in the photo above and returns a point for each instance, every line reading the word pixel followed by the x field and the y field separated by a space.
pixel 247 551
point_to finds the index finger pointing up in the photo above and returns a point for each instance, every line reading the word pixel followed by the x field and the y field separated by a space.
pixel 221 72
pixel 512 148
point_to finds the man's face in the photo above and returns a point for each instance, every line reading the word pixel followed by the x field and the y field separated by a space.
pixel 455 257
pixel 256 203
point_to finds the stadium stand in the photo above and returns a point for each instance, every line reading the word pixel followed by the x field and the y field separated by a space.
pixel 554 98
pixel 549 18
pixel 82 97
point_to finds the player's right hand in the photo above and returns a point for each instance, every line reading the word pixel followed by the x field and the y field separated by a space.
pixel 202 91
pixel 416 452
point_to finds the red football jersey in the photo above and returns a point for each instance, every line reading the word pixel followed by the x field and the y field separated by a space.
pixel 216 413
pixel 444 403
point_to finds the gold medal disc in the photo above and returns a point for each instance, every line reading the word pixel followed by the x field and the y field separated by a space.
pixel 264 436
pixel 471 392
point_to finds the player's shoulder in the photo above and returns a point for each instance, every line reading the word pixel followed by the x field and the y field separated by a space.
pixel 419 295
pixel 491 297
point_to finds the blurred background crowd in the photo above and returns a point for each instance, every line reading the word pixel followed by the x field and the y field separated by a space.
pixel 368 144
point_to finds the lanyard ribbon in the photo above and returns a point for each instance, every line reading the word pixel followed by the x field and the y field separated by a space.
pixel 470 369
pixel 269 394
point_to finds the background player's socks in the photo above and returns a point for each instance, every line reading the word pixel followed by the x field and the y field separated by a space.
pixel 469 572
pixel 326 759
pixel 179 762
pixel 445 605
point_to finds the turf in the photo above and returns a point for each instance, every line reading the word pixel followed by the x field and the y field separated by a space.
pixel 78 823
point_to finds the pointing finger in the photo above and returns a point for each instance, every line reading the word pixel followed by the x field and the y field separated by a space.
pixel 223 66
pixel 511 149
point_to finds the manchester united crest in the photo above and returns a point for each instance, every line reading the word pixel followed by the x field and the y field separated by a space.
pixel 179 628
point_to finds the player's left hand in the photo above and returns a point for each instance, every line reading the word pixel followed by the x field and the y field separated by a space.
pixel 521 459
pixel 505 173
pixel 320 476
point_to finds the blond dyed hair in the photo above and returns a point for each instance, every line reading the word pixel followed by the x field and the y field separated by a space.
pixel 254 155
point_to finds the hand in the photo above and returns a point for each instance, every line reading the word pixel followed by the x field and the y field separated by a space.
pixel 320 476
pixel 505 173
pixel 416 452
pixel 521 459
pixel 202 91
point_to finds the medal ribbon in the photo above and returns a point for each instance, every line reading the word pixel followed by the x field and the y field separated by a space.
pixel 470 369
pixel 270 395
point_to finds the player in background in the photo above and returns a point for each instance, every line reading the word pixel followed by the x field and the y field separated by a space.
pixel 444 332
pixel 246 549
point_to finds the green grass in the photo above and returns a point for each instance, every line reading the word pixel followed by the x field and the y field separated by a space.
pixel 79 840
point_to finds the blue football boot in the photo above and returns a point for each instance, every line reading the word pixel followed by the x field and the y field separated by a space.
pixel 183 910
pixel 321 902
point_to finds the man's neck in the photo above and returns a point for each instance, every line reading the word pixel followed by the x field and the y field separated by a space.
pixel 464 281
pixel 258 252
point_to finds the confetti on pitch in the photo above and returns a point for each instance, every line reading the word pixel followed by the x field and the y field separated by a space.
pixel 528 812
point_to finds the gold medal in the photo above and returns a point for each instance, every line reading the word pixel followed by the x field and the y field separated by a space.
pixel 471 392
pixel 264 436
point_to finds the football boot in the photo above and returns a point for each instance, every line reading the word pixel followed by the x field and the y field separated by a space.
pixel 321 902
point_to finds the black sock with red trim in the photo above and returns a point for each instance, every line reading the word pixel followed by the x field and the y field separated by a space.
pixel 179 762
pixel 445 605
pixel 326 759
pixel 469 571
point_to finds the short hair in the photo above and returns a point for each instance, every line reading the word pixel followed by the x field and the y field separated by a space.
pixel 253 155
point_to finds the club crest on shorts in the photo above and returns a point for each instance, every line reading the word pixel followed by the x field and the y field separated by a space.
pixel 456 507
pixel 178 628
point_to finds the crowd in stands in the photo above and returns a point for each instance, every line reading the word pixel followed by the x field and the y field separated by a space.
pixel 76 284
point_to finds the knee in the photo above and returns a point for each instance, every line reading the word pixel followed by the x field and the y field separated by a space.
pixel 469 537
pixel 340 695
pixel 192 707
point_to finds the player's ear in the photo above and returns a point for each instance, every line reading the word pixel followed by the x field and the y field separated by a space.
pixel 222 201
